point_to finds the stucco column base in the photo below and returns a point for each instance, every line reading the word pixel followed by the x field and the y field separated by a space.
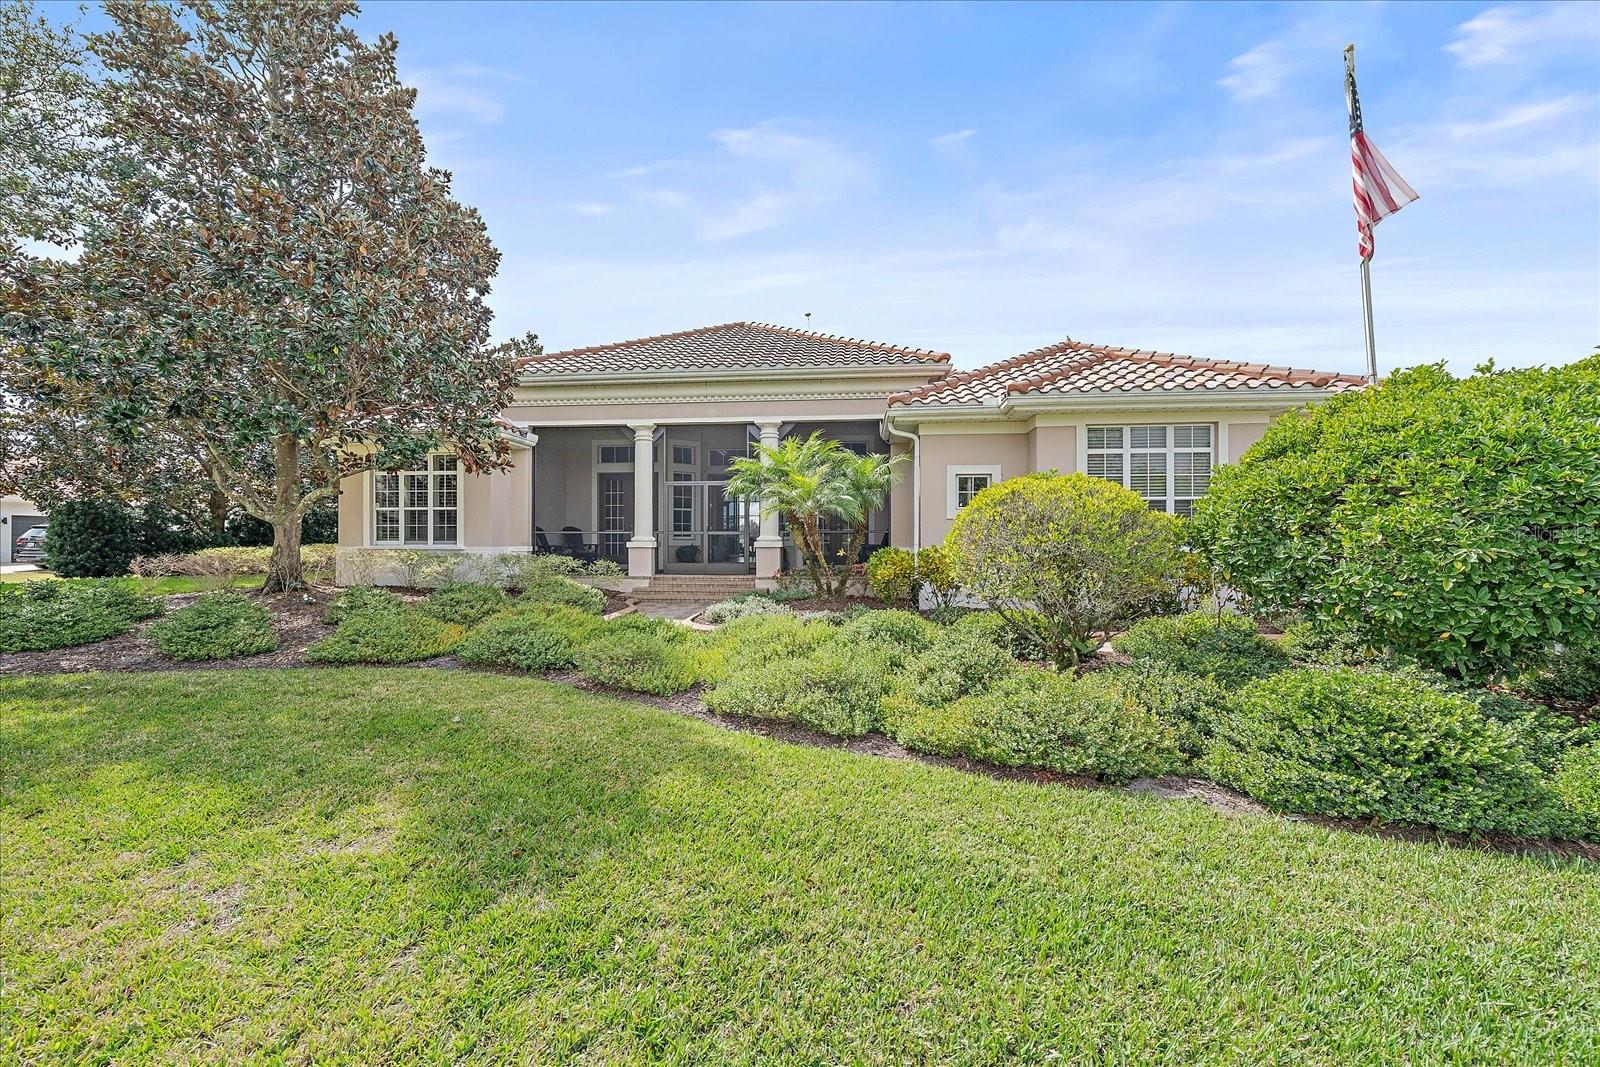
pixel 641 559
pixel 769 560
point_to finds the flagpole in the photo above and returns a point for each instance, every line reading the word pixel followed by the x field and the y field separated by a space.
pixel 1366 320
pixel 1366 263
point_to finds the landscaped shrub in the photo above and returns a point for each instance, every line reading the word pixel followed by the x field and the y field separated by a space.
pixel 1571 674
pixel 398 636
pixel 1456 521
pixel 1227 648
pixel 957 664
pixel 221 625
pixel 835 689
pixel 466 603
pixel 991 627
pixel 898 576
pixel 358 600
pixel 1065 560
pixel 530 638
pixel 48 614
pixel 1054 721
pixel 1325 646
pixel 740 607
pixel 899 635
pixel 553 589
pixel 226 564
pixel 1375 745
pixel 90 539
pixel 1187 703
pixel 758 639
pixel 1577 783
pixel 636 659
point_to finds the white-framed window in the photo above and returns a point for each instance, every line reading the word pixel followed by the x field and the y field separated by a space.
pixel 683 455
pixel 614 455
pixel 682 502
pixel 1168 465
pixel 418 507
pixel 962 483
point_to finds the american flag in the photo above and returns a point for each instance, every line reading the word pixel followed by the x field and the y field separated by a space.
pixel 1379 189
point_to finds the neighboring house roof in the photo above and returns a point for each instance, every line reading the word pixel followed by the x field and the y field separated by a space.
pixel 733 347
pixel 1076 369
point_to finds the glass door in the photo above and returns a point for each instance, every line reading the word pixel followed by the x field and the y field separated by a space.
pixel 708 530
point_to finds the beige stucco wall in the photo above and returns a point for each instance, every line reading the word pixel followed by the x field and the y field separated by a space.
pixel 721 409
pixel 1011 452
pixel 1044 443
pixel 1241 435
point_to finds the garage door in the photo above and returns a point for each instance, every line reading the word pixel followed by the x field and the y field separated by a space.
pixel 20 524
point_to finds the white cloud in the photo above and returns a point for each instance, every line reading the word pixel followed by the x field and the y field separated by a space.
pixel 946 140
pixel 640 170
pixel 675 199
pixel 1257 73
pixel 459 91
pixel 1510 34
pixel 1515 118
pixel 810 172
pixel 592 208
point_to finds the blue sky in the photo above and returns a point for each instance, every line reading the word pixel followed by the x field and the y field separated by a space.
pixel 987 178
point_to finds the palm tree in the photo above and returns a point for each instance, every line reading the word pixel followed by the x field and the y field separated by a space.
pixel 867 481
pixel 808 481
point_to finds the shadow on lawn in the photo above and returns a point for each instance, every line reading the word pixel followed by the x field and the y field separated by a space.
pixel 496 791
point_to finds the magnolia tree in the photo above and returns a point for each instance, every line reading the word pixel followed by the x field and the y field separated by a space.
pixel 1065 560
pixel 273 283
pixel 811 481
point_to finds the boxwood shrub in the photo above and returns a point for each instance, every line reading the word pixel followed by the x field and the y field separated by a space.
pixel 1577 783
pixel 1377 745
pixel 633 658
pixel 835 689
pixel 758 639
pixel 1039 718
pixel 554 589
pixel 217 626
pixel 1226 649
pixel 400 636
pixel 532 638
pixel 1571 674
pixel 959 663
pixel 466 603
pixel 900 635
pixel 1188 704
pixel 1322 646
pixel 358 599
pixel 47 613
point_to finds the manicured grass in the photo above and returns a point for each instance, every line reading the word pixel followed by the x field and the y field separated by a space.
pixel 153 586
pixel 411 865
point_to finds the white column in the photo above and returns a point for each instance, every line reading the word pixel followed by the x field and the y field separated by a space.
pixel 642 549
pixel 769 543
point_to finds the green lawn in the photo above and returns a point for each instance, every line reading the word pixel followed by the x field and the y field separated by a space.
pixel 416 865
pixel 153 586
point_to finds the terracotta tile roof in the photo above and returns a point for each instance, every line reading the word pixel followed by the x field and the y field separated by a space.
pixel 1073 368
pixel 732 346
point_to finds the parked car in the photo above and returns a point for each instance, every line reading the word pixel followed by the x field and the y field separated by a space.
pixel 30 546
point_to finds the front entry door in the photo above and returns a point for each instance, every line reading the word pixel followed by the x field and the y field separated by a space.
pixel 614 507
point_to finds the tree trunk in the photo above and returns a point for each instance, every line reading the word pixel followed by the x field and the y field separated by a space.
pixel 217 505
pixel 284 573
pixel 852 550
pixel 810 546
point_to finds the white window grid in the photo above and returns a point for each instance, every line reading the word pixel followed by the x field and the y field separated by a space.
pixel 1169 465
pixel 418 507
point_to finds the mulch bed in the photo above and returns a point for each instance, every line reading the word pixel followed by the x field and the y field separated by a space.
pixel 297 619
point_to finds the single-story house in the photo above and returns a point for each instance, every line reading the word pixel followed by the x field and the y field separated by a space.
pixel 17 517
pixel 696 400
